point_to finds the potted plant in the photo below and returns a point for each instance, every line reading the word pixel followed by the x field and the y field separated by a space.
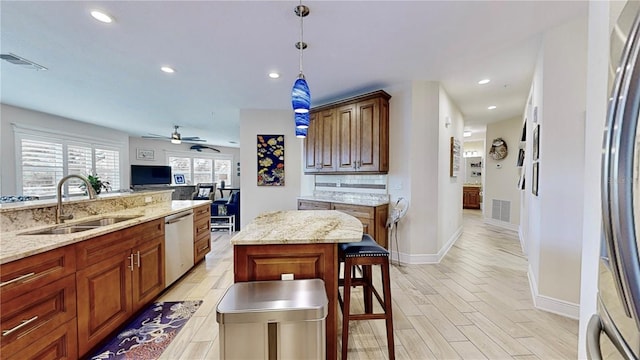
pixel 97 184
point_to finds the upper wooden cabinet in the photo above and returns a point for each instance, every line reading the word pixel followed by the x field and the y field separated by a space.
pixel 349 136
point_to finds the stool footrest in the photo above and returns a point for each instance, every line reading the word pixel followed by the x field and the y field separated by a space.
pixel 367 316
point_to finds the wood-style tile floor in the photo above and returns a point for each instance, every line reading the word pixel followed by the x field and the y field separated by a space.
pixel 475 304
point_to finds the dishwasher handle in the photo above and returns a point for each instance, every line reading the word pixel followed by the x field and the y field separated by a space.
pixel 178 219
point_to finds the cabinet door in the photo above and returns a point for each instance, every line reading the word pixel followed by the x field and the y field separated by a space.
pixel 325 156
pixel 104 299
pixel 310 156
pixel 366 139
pixel 346 139
pixel 148 272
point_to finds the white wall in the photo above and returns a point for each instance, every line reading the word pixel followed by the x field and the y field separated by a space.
pixel 256 199
pixel 419 169
pixel 449 188
pixel 554 231
pixel 602 16
pixel 501 176
pixel 41 121
pixel 161 147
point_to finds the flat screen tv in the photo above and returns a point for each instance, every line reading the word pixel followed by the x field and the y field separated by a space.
pixel 150 175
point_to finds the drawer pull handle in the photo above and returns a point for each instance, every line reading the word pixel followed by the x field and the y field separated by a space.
pixel 17 279
pixel 138 254
pixel 21 325
pixel 130 261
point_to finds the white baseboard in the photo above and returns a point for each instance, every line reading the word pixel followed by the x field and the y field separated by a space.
pixel 502 224
pixel 549 304
pixel 427 258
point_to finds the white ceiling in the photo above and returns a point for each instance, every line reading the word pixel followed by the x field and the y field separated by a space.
pixel 108 74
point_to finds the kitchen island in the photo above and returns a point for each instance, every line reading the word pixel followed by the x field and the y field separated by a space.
pixel 298 243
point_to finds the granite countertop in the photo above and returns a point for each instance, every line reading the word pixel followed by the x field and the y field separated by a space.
pixel 300 227
pixel 16 245
pixel 346 200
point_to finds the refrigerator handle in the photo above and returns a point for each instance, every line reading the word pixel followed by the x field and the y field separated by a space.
pixel 594 329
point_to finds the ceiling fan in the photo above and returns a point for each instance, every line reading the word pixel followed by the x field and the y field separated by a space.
pixel 175 137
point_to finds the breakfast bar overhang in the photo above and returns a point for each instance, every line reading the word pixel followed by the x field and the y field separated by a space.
pixel 300 243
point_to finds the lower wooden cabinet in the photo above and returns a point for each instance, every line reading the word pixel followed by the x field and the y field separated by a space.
pixel 201 232
pixel 114 286
pixel 471 197
pixel 373 218
pixel 38 300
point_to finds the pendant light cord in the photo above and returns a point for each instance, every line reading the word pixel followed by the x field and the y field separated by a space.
pixel 301 44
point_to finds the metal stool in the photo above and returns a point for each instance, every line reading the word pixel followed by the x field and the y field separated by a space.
pixel 365 253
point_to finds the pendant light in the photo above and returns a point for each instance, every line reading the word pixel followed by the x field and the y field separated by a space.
pixel 302 120
pixel 301 132
pixel 300 94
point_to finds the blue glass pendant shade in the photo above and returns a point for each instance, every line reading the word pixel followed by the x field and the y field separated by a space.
pixel 301 132
pixel 301 96
pixel 302 120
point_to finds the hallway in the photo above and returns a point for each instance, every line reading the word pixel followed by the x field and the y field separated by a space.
pixel 475 304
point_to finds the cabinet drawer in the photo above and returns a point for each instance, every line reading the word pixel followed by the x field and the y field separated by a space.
pixel 24 275
pixel 201 248
pixel 61 343
pixel 33 316
pixel 313 205
pixel 365 212
pixel 202 228
pixel 202 212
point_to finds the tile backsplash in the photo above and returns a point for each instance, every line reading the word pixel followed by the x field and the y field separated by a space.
pixel 373 184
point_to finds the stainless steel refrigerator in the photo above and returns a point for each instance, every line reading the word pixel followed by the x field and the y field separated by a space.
pixel 614 332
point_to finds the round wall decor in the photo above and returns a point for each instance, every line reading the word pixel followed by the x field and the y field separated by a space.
pixel 498 149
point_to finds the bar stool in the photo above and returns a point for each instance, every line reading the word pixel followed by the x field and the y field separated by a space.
pixel 365 253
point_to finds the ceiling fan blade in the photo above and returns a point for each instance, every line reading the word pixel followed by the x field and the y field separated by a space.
pixel 191 138
pixel 154 136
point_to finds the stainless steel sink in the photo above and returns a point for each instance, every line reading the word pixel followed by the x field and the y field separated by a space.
pixel 81 226
pixel 106 221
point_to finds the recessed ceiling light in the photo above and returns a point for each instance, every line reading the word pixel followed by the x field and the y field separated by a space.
pixel 466 133
pixel 492 107
pixel 484 81
pixel 274 75
pixel 102 17
pixel 167 69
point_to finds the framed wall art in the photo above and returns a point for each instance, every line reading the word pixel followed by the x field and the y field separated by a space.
pixel 270 160
pixel 145 154
pixel 536 142
pixel 534 178
pixel 454 162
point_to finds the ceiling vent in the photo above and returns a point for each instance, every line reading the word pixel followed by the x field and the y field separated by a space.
pixel 17 60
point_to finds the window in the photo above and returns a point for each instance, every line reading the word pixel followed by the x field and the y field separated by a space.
pixel 222 172
pixel 202 169
pixel 45 158
pixel 181 165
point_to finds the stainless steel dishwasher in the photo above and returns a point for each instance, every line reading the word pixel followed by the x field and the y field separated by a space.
pixel 178 245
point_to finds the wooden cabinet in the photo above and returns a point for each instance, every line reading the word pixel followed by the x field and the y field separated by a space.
pixel 313 205
pixel 118 273
pixel 38 302
pixel 350 136
pixel 319 144
pixel 373 218
pixel 304 261
pixel 201 232
pixel 471 197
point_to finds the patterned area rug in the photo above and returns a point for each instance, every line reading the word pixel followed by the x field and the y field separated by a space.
pixel 148 335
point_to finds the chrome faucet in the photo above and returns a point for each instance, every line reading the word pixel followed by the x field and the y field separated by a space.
pixel 60 216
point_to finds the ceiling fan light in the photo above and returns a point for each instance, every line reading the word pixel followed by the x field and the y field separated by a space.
pixel 301 96
pixel 302 120
pixel 301 133
pixel 176 141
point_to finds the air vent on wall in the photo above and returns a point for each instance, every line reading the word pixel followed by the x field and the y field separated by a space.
pixel 20 61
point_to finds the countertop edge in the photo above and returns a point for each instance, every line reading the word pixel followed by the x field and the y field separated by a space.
pixel 52 242
pixel 359 202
